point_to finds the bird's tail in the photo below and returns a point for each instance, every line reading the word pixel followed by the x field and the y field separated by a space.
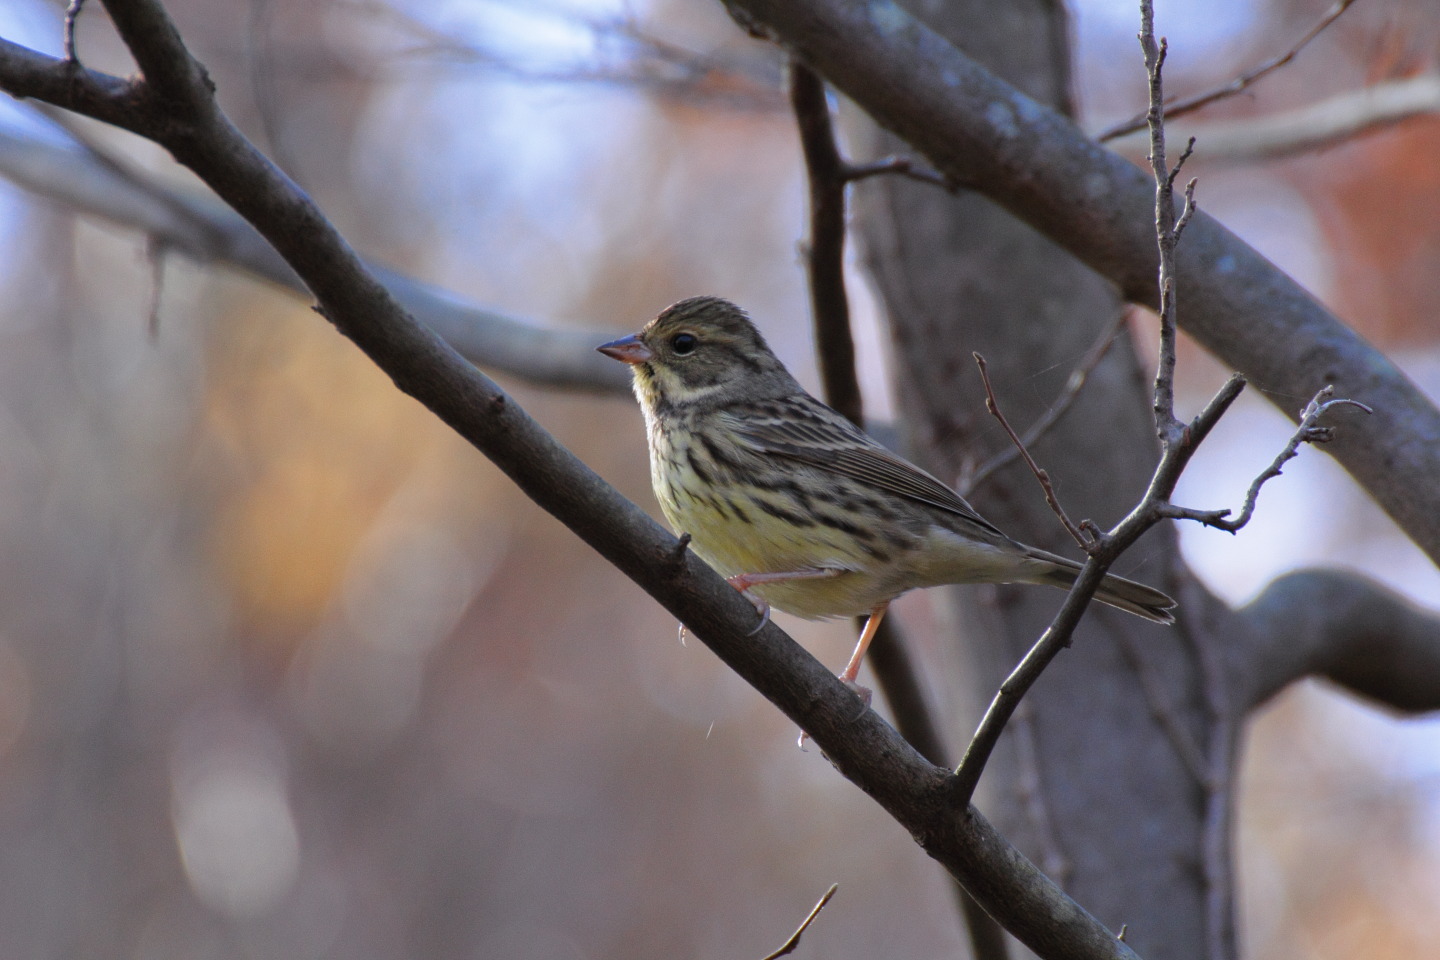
pixel 1116 591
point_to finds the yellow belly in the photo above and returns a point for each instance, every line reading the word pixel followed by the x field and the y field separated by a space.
pixel 732 530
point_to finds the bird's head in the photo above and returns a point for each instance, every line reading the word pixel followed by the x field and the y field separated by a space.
pixel 701 353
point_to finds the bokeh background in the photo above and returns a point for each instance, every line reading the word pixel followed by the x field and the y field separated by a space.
pixel 286 669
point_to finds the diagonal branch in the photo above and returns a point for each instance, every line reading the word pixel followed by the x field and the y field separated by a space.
pixel 1074 384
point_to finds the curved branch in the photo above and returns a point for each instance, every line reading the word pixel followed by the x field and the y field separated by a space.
pixel 206 230
pixel 1034 162
pixel 1345 628
pixel 864 748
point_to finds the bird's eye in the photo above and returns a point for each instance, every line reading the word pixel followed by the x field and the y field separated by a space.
pixel 683 343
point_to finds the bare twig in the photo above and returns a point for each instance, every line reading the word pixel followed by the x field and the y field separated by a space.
pixel 1166 234
pixel 1164 711
pixel 1178 442
pixel 72 17
pixel 904 166
pixel 1308 431
pixel 1030 793
pixel 1183 105
pixel 789 946
pixel 1057 410
pixel 993 406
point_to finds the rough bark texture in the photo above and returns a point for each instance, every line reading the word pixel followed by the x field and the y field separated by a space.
pixel 1087 781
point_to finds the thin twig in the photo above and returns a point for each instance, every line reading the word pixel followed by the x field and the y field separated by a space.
pixel 994 407
pixel 789 945
pixel 1164 711
pixel 1177 441
pixel 1308 431
pixel 903 166
pixel 1030 793
pixel 1183 105
pixel 1047 420
pixel 1007 699
pixel 1164 395
pixel 72 17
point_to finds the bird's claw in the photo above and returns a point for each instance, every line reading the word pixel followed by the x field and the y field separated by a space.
pixel 863 692
pixel 764 610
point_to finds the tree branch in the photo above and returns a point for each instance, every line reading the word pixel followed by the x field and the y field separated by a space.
pixel 1322 124
pixel 205 230
pixel 863 747
pixel 1343 627
pixel 1034 162
pixel 825 248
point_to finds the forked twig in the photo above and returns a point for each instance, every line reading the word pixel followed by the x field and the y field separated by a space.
pixel 1307 431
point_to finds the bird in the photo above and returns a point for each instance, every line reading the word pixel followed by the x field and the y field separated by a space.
pixel 796 506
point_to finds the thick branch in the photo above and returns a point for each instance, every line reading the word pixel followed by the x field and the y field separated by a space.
pixel 1345 628
pixel 863 747
pixel 1034 162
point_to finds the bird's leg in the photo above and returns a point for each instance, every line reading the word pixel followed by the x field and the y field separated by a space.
pixel 852 669
pixel 744 581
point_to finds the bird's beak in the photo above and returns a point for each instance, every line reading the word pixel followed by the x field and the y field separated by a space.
pixel 627 349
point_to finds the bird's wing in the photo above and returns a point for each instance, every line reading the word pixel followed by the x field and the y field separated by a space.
pixel 803 429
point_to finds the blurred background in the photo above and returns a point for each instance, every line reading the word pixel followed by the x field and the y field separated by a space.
pixel 287 669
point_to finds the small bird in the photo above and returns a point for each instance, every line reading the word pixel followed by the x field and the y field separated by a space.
pixel 796 506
